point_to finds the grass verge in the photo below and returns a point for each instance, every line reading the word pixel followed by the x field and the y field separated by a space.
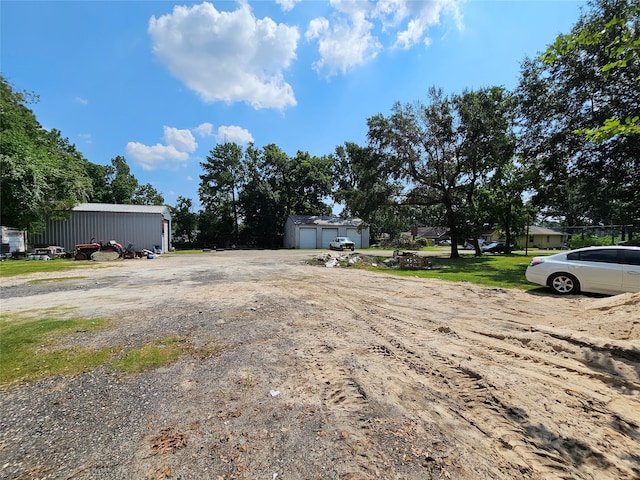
pixel 502 271
pixel 11 268
pixel 30 350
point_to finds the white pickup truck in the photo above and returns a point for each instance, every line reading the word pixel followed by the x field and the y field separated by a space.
pixel 340 243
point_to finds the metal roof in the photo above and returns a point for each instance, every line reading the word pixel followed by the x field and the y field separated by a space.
pixel 323 220
pixel 118 208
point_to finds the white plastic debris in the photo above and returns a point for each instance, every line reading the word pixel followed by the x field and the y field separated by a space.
pixel 274 393
pixel 331 263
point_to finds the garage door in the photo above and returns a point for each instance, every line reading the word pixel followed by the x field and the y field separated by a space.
pixel 308 238
pixel 353 234
pixel 328 234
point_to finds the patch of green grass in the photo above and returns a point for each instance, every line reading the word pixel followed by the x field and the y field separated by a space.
pixel 56 279
pixel 28 348
pixel 11 268
pixel 160 352
pixel 503 271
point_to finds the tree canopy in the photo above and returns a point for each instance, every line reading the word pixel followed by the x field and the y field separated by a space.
pixel 571 90
pixel 247 194
pixel 445 152
pixel 43 175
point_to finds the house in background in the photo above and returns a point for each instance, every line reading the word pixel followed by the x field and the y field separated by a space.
pixel 310 231
pixel 432 234
pixel 144 226
pixel 545 238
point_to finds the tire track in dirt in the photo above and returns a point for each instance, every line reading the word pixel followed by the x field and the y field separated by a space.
pixel 396 363
pixel 475 402
pixel 344 403
pixel 528 441
pixel 597 455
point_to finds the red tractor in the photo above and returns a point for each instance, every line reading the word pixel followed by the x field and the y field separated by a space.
pixel 107 251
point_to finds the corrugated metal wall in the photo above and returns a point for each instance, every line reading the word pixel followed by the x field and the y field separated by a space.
pixel 144 230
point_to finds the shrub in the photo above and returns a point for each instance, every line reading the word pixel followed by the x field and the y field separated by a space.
pixel 579 241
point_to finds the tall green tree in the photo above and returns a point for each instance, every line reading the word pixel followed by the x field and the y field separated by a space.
pixel 278 186
pixel 501 199
pixel 147 195
pixel 420 145
pixel 122 183
pixel 222 180
pixel 444 152
pixel 184 219
pixel 561 97
pixel 488 147
pixel 620 39
pixel 312 180
pixel 41 173
pixel 263 198
pixel 366 190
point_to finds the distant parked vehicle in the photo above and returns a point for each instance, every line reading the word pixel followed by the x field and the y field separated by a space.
pixel 48 253
pixel 340 243
pixel 608 270
pixel 444 243
pixel 493 247
pixel 468 245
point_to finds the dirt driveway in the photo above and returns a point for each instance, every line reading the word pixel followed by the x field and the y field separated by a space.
pixel 328 373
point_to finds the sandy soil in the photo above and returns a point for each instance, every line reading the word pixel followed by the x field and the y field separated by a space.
pixel 329 373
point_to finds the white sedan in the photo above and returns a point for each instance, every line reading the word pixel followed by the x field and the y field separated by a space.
pixel 608 270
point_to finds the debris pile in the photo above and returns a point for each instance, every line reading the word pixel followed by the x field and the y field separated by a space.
pixel 339 259
pixel 411 260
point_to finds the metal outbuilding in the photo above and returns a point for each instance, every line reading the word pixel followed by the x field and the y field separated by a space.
pixel 311 231
pixel 144 226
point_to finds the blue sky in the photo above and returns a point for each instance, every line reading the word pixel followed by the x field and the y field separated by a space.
pixel 162 82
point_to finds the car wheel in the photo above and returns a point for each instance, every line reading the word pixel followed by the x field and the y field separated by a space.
pixel 564 284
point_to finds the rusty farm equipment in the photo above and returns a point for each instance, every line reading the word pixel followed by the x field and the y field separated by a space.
pixel 98 251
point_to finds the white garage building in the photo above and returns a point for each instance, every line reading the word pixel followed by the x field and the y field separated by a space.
pixel 145 226
pixel 306 231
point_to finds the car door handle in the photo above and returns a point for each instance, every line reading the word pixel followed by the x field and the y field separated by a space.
pixel 633 273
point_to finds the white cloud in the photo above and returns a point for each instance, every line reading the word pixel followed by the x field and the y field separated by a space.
pixel 347 42
pixel 234 134
pixel 86 137
pixel 419 17
pixel 204 130
pixel 156 156
pixel 351 37
pixel 227 56
pixel 179 143
pixel 81 101
pixel 287 5
pixel 182 140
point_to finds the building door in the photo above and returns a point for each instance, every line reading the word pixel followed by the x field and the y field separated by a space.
pixel 308 238
pixel 354 235
pixel 328 234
